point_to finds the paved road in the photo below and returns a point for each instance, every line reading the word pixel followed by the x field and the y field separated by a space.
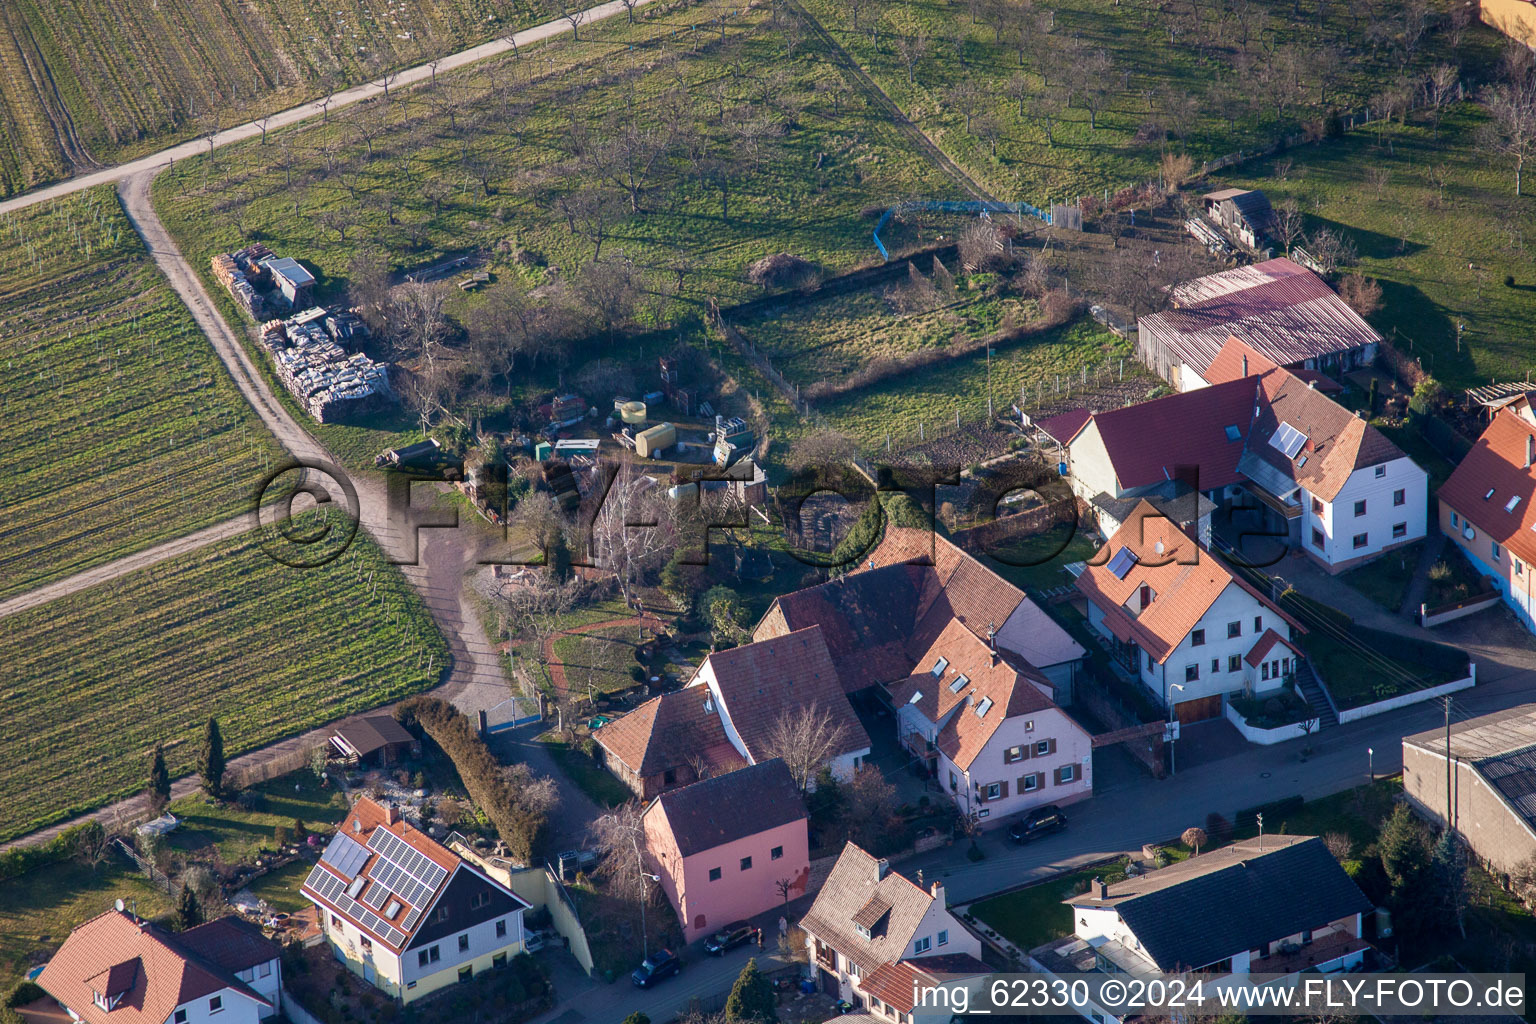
pixel 156 162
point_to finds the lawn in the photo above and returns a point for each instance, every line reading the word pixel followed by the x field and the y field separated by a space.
pixel 1036 562
pixel 1033 916
pixel 38 909
pixel 239 833
pixel 590 777
pixel 1441 255
pixel 130 79
pixel 280 888
pixel 600 660
pixel 1192 76
pixel 124 429
pixel 1385 580
pixel 227 631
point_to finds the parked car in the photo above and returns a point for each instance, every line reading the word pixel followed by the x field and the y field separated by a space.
pixel 1041 821
pixel 658 966
pixel 737 933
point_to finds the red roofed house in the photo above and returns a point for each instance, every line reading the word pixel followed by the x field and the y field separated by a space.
pixel 1191 630
pixel 118 968
pixel 984 722
pixel 751 688
pixel 403 912
pixel 723 846
pixel 1323 479
pixel 1488 506
pixel 665 743
pixel 1283 311
pixel 868 921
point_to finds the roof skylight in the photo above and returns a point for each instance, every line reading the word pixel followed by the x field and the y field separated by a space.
pixel 1288 440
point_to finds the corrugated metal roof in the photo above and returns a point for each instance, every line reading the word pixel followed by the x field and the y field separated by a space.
pixel 1282 310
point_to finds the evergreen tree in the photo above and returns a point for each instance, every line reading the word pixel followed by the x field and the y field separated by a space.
pixel 1403 851
pixel 159 780
pixel 637 1018
pixel 560 558
pixel 189 914
pixel 751 999
pixel 210 760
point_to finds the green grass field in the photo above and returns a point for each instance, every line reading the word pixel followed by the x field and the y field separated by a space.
pixel 1441 256
pixel 95 678
pixel 1203 84
pixel 237 835
pixel 123 429
pixel 800 155
pixel 104 81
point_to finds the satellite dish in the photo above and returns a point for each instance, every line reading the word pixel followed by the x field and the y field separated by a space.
pixel 118 904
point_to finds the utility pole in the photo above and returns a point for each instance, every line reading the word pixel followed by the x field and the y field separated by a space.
pixel 989 383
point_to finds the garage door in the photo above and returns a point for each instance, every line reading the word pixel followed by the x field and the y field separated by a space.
pixel 1199 709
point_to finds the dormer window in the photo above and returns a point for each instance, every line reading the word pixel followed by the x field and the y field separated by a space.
pixel 940 665
pixel 101 1001
pixel 960 683
pixel 862 930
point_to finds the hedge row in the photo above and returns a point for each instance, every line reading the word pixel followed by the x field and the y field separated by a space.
pixel 520 828
pixel 18 860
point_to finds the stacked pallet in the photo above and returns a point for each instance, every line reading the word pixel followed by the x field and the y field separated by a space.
pixel 320 374
pixel 235 281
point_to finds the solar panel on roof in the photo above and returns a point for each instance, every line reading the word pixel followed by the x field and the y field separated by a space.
pixel 1287 440
pixel 376 895
pixel 345 855
pixel 411 919
pixel 1121 564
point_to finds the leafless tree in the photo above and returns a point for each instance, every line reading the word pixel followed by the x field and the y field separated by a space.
pixel 1287 223
pixel 591 212
pixel 571 13
pixel 1361 294
pixel 339 220
pixel 1439 89
pixel 965 96
pixel 610 289
pixel 619 839
pixel 912 49
pixel 1332 249
pixel 1095 85
pixel 871 805
pixel 633 529
pixel 822 448
pixel 1378 177
pixel 1339 844
pixel 1045 109
pixel 629 8
pixel 1511 128
pixel 806 738
pixel 627 152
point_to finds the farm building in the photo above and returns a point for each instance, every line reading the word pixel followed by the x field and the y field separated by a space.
pixel 1492 776
pixel 1243 213
pixel 1514 18
pixel 291 280
pixel 1280 310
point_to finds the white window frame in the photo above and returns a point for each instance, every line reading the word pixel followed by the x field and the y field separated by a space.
pixel 1068 773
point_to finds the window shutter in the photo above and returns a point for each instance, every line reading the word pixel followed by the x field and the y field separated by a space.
pixel 1052 749
pixel 1023 783
pixel 1025 746
pixel 1057 773
pixel 1002 794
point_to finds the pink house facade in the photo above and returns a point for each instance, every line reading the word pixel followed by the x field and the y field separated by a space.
pixel 726 847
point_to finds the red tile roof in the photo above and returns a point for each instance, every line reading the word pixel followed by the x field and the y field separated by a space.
pixel 1063 427
pixel 1338 441
pixel 729 807
pixel 666 732
pixel 1185 578
pixel 855 883
pixel 149 971
pixel 1279 308
pixel 1012 686
pixel 1147 442
pixel 894 982
pixel 1497 463
pixel 759 683
pixel 1261 647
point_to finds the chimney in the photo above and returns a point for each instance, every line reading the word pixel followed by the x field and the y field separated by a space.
pixel 1245 366
pixel 882 868
pixel 992 640
pixel 1530 450
pixel 391 814
pixel 1100 889
pixel 937 892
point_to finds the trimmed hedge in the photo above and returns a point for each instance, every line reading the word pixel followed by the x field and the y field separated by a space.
pixel 520 828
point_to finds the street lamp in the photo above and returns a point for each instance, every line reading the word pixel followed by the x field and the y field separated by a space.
pixel 645 895
pixel 1370 760
pixel 1173 761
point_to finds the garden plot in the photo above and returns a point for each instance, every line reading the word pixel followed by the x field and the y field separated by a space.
pixel 122 427
pixel 95 678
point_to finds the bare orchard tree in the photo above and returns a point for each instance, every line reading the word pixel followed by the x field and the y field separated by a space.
pixel 633 529
pixel 806 738
pixel 1287 223
pixel 1511 128
pixel 1440 88
pixel 1332 249
pixel 823 448
pixel 538 794
pixel 572 13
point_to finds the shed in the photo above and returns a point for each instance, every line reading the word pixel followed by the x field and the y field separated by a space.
pixel 292 280
pixel 649 443
pixel 377 737
pixel 1244 213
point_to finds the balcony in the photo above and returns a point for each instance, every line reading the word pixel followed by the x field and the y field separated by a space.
pixel 1324 955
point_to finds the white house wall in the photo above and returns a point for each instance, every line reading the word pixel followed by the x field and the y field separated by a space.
pixel 1089 466
pixel 1339 524
pixel 482 942
pixel 1234 605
